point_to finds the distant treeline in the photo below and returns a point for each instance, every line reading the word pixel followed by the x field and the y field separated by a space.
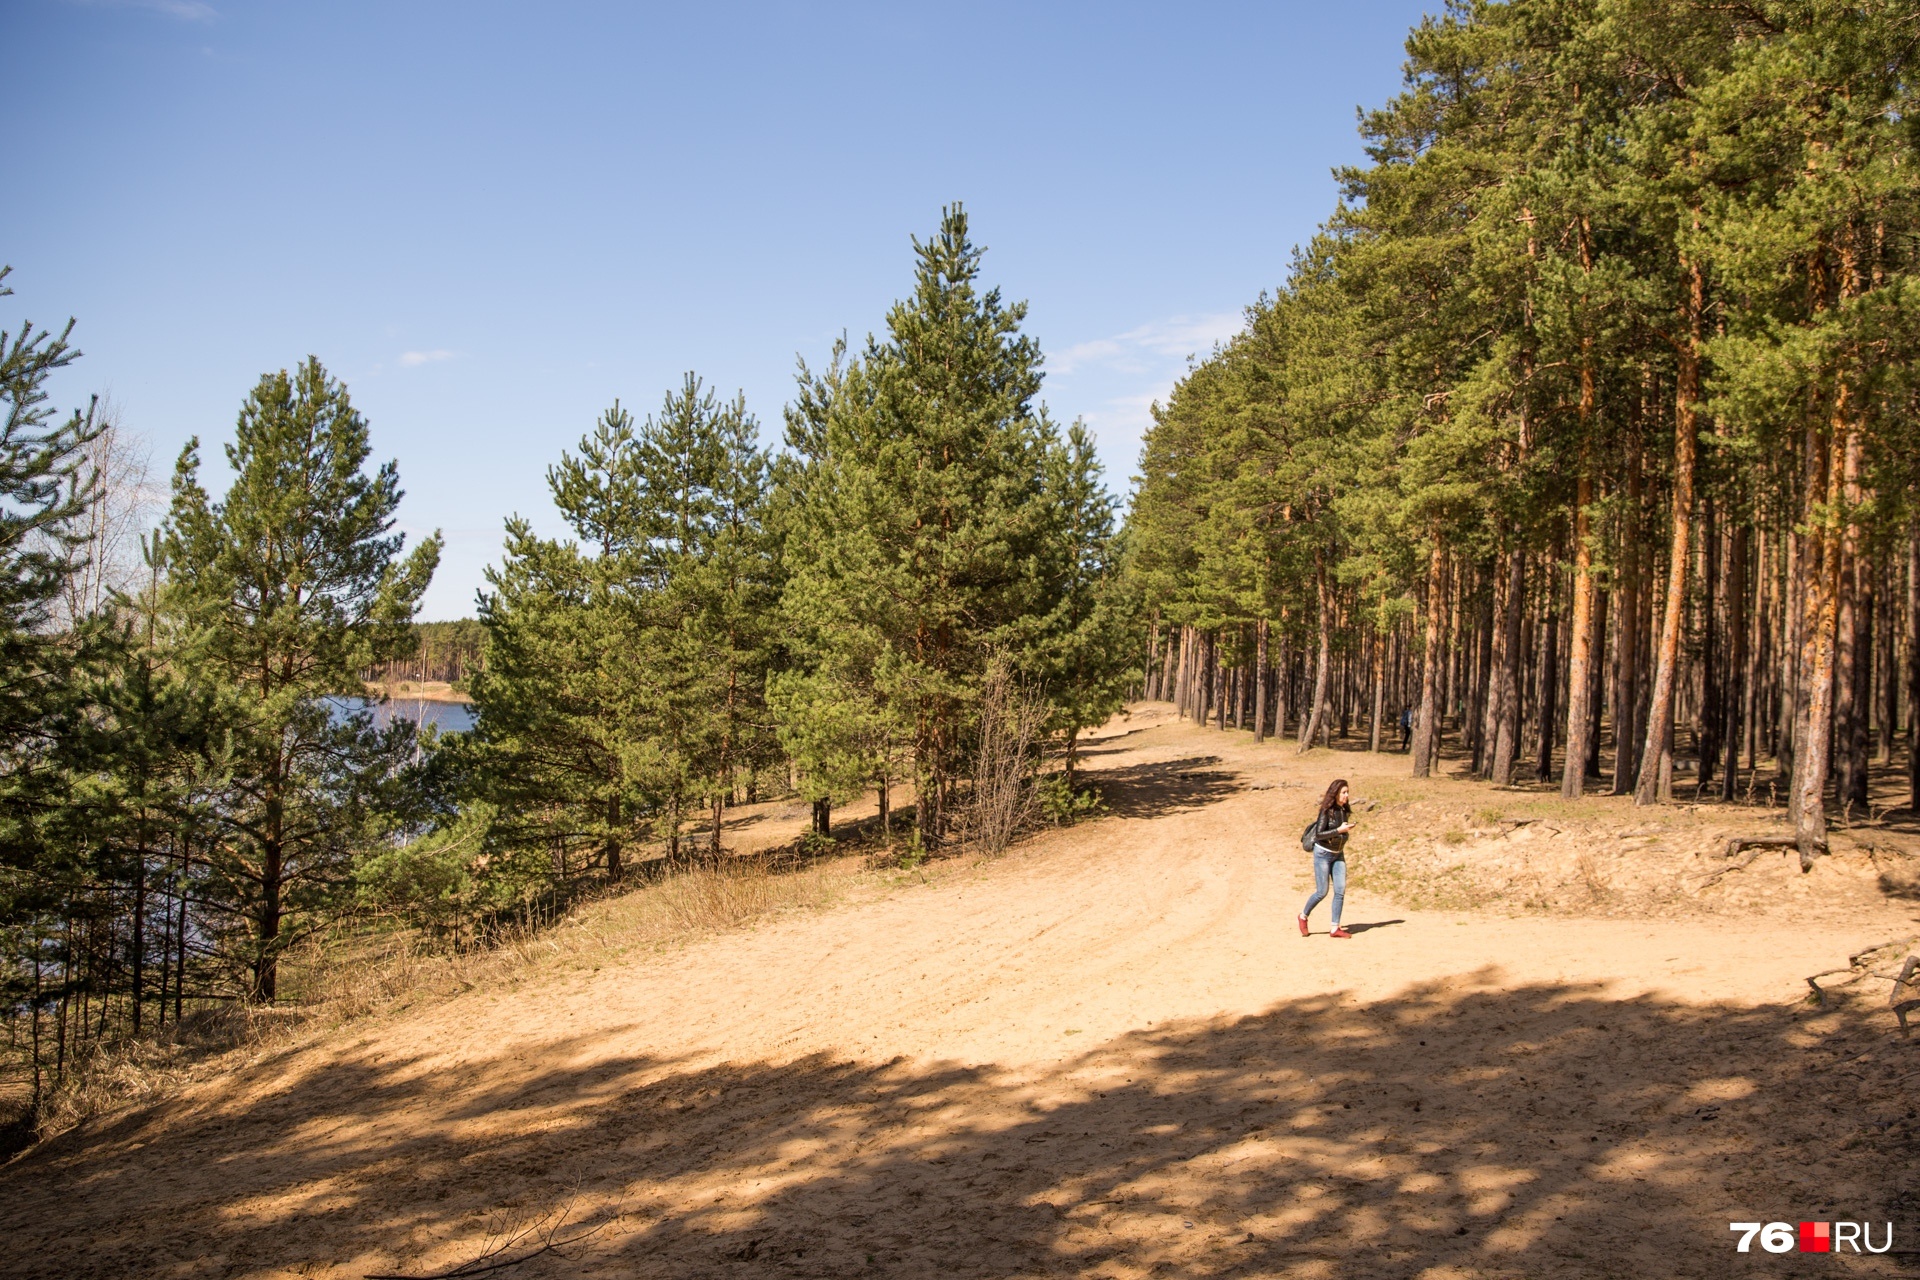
pixel 447 651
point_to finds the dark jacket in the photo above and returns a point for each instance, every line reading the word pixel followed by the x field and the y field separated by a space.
pixel 1328 835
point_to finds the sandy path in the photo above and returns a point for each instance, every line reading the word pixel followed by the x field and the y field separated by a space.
pixel 1107 1054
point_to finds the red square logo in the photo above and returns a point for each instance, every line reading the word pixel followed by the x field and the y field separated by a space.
pixel 1816 1237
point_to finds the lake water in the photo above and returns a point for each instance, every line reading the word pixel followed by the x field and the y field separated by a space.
pixel 448 717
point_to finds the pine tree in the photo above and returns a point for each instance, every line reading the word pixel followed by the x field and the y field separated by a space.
pixel 563 745
pixel 920 538
pixel 624 671
pixel 44 489
pixel 1080 653
pixel 297 581
pixel 709 571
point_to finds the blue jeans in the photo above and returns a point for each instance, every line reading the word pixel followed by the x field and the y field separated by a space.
pixel 1328 865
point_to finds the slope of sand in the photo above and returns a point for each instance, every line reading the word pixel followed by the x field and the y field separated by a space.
pixel 1106 1054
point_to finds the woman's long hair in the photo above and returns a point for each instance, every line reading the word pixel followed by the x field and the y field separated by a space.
pixel 1332 798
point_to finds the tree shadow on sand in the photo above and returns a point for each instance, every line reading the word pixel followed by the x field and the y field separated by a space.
pixel 1165 786
pixel 1457 1130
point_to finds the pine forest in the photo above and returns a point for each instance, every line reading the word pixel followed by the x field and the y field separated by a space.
pixel 1582 441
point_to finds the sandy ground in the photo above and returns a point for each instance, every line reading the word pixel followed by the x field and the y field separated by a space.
pixel 1107 1054
pixel 425 690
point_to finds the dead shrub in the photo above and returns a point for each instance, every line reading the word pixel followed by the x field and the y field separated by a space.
pixel 1001 799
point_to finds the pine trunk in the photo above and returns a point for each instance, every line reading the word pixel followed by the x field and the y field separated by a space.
pixel 1260 681
pixel 1760 673
pixel 1314 722
pixel 1913 668
pixel 1581 667
pixel 1507 657
pixel 139 940
pixel 1626 632
pixel 1219 681
pixel 1656 758
pixel 1820 568
pixel 1887 705
pixel 1733 692
pixel 1548 718
pixel 1708 717
pixel 1597 682
pixel 1165 690
pixel 1426 736
pixel 1857 637
pixel 1282 674
pixel 1379 691
pixel 1783 671
pixel 1482 673
pixel 1176 654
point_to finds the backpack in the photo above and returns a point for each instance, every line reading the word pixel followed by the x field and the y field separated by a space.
pixel 1307 837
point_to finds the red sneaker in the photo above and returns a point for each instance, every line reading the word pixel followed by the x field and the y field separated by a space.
pixel 1303 926
pixel 1338 932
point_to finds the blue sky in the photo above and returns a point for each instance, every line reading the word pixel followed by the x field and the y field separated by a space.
pixel 490 220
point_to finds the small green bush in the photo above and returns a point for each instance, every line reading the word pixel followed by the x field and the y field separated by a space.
pixel 1064 806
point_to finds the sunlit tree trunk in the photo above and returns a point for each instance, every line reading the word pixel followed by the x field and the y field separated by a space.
pixel 1733 693
pixel 1260 680
pixel 1656 757
pixel 1627 626
pixel 1426 728
pixel 1913 667
pixel 1379 689
pixel 1507 657
pixel 1311 724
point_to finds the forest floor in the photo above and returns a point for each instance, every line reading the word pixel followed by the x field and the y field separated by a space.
pixel 1567 1040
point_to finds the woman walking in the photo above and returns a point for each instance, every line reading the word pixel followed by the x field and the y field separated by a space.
pixel 1330 854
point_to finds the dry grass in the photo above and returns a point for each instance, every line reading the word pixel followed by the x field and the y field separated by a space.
pixel 1593 877
pixel 738 892
pixel 133 1070
pixel 374 974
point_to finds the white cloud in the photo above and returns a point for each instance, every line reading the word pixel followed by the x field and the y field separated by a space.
pixel 1125 413
pixel 1150 345
pixel 414 359
pixel 184 10
pixel 1113 382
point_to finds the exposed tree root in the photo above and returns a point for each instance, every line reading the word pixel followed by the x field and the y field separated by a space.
pixel 1905 996
pixel 1808 851
pixel 1737 843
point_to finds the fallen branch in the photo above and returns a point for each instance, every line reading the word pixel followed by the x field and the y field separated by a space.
pixel 491 1259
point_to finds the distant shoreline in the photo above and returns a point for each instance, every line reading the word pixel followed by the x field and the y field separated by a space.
pixel 417 691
